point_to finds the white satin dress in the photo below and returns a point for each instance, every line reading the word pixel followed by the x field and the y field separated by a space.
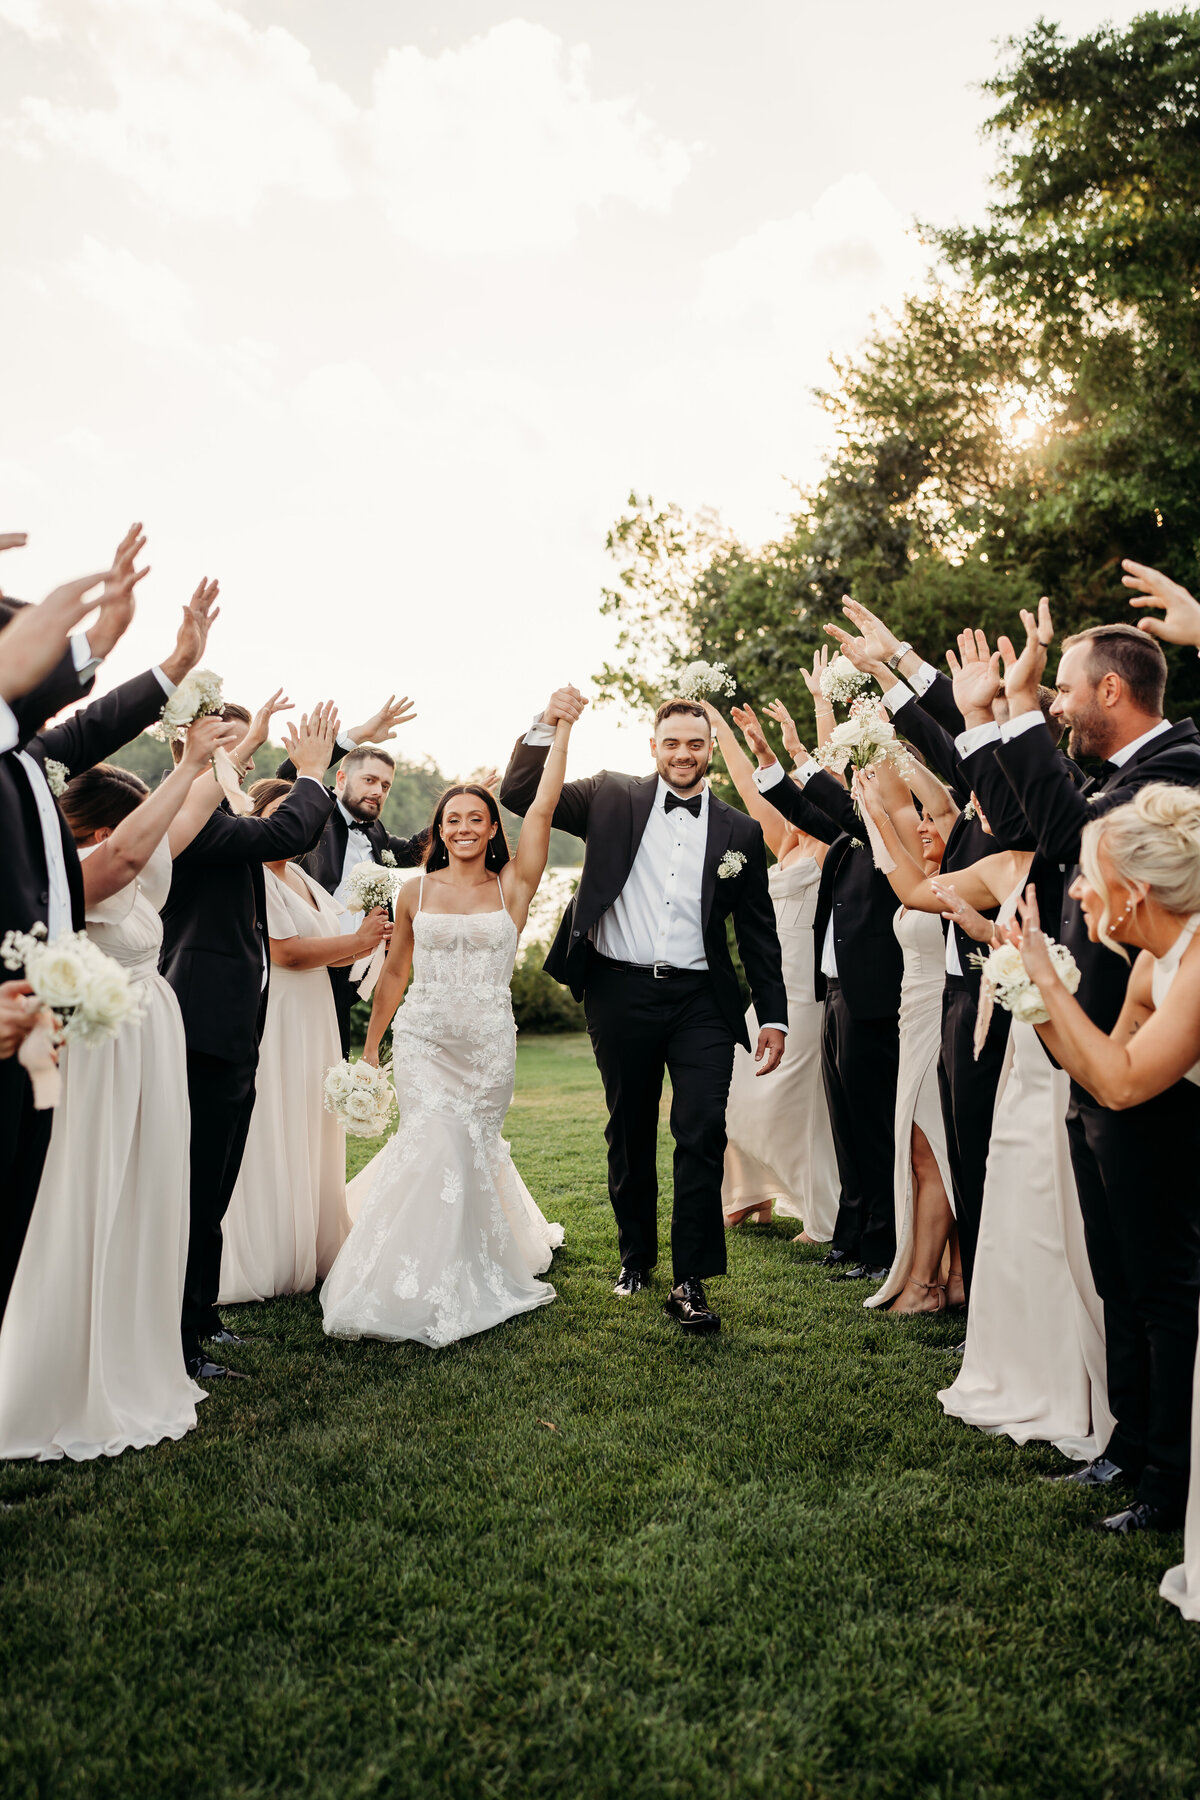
pixel 918 1100
pixel 287 1217
pixel 1034 1366
pixel 1181 1585
pixel 91 1361
pixel 780 1145
pixel 447 1240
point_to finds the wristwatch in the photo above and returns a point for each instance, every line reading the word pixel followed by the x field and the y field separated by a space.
pixel 893 661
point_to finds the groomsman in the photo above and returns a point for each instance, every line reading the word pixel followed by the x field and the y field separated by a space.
pixel 1142 1220
pixel 643 945
pixel 355 831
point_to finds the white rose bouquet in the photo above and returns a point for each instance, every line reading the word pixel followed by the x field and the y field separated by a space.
pixel 368 885
pixel 867 736
pixel 841 682
pixel 1010 985
pixel 361 1097
pixel 197 695
pixel 73 977
pixel 700 679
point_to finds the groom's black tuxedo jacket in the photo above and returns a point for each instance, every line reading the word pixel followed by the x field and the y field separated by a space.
pixel 1057 810
pixel 215 919
pixel 83 740
pixel 610 813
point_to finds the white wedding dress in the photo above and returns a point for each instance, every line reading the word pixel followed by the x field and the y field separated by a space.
pixel 780 1143
pixel 446 1240
pixel 91 1361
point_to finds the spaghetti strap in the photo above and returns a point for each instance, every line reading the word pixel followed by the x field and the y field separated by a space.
pixel 420 890
pixel 503 901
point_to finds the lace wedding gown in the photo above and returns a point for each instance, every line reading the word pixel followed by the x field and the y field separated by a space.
pixel 446 1240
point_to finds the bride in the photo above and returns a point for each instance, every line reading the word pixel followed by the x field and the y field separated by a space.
pixel 447 1240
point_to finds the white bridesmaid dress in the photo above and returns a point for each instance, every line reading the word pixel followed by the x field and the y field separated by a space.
pixel 287 1216
pixel 1034 1367
pixel 780 1145
pixel 918 1100
pixel 91 1362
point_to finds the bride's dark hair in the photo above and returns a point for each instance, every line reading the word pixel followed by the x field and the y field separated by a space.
pixel 436 854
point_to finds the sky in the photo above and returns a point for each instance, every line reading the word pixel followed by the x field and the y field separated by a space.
pixel 378 312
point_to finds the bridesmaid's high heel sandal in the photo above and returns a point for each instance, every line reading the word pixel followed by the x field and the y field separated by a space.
pixel 936 1288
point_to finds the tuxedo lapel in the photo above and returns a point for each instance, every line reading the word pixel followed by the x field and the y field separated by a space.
pixel 720 830
pixel 642 794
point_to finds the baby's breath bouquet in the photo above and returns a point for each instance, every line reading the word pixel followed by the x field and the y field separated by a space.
pixel 841 682
pixel 90 992
pixel 370 884
pixel 361 1097
pixel 701 679
pixel 197 695
pixel 866 737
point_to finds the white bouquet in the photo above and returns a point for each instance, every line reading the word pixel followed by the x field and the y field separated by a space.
pixel 866 737
pixel 57 776
pixel 197 695
pixel 91 992
pixel 841 682
pixel 370 884
pixel 1006 980
pixel 700 679
pixel 361 1097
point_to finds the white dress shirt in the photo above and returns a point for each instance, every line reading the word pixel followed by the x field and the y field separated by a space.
pixel 358 850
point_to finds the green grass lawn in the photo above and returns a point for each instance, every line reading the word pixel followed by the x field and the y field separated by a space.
pixel 581 1556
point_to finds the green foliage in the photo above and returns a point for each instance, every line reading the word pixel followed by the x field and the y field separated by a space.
pixel 540 1003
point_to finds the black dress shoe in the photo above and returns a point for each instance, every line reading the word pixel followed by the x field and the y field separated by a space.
pixel 687 1305
pixel 225 1336
pixel 630 1281
pixel 1141 1517
pixel 960 1350
pixel 832 1258
pixel 860 1272
pixel 201 1368
pixel 1099 1473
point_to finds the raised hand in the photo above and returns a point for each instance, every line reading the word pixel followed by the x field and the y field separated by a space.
pixel 205 737
pixel 791 737
pixel 812 681
pixel 878 643
pixel 13 540
pixel 1180 623
pixel 310 744
pixel 380 728
pixel 199 616
pixel 746 720
pixel 117 601
pixel 976 678
pixel 34 640
pixel 564 703
pixel 855 648
pixel 1023 673
pixel 259 728
pixel 962 913
pixel 489 779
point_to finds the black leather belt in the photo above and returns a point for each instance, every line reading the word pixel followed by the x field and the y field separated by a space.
pixel 659 971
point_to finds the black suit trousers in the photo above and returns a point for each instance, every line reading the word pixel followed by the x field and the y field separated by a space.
pixel 968 1095
pixel 641 1028
pixel 860 1059
pixel 345 993
pixel 221 1094
pixel 24 1140
pixel 1141 1216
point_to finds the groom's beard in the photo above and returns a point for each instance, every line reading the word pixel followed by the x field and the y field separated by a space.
pixel 366 810
pixel 681 779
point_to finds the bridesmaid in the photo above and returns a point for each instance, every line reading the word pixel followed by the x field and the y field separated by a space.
pixel 780 1148
pixel 91 1362
pixel 287 1218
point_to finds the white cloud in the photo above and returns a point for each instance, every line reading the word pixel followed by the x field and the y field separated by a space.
pixel 151 301
pixel 29 17
pixel 501 146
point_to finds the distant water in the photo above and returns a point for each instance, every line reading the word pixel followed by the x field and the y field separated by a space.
pixel 557 886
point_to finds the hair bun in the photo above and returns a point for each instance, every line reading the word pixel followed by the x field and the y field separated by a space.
pixel 1173 807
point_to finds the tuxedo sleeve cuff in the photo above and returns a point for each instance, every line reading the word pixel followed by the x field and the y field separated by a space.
pixel 345 742
pixel 803 773
pixel 774 1025
pixel 1022 723
pixel 540 736
pixel 81 655
pixel 975 738
pixel 164 681
pixel 766 779
pixel 922 678
pixel 9 735
pixel 898 695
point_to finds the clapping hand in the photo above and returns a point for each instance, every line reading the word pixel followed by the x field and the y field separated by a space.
pixel 310 744
pixel 791 737
pixel 380 728
pixel 199 616
pixel 976 677
pixel 746 720
pixel 1180 623
pixel 1023 673
pixel 565 703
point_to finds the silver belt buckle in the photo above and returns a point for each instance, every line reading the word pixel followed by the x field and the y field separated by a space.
pixel 665 967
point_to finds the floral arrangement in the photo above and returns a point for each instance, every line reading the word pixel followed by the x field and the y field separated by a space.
pixel 361 1097
pixel 57 776
pixel 370 884
pixel 197 695
pixel 700 679
pixel 732 863
pixel 387 859
pixel 89 991
pixel 864 738
pixel 841 682
pixel 1007 981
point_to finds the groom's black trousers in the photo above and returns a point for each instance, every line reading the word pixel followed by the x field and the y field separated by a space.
pixel 860 1060
pixel 221 1094
pixel 639 1027
pixel 24 1140
pixel 968 1094
pixel 1135 1172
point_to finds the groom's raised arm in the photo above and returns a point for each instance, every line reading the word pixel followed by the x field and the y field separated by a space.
pixel 524 772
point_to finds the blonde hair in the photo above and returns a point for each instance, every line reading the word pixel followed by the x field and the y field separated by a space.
pixel 1154 839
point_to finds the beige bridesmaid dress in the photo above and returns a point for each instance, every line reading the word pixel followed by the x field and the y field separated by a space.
pixel 91 1362
pixel 287 1217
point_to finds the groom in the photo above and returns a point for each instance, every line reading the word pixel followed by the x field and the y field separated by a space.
pixel 643 945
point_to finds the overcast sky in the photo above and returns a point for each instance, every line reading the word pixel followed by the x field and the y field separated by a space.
pixel 378 311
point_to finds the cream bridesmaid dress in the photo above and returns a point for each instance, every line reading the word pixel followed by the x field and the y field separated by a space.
pixel 918 1101
pixel 287 1217
pixel 90 1356
pixel 780 1143
pixel 1034 1367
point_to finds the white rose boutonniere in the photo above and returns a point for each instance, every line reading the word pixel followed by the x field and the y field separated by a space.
pixel 387 859
pixel 57 776
pixel 732 863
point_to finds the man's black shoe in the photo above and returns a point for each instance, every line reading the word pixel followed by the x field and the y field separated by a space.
pixel 860 1272
pixel 687 1305
pixel 1099 1473
pixel 960 1350
pixel 832 1258
pixel 201 1368
pixel 225 1336
pixel 1141 1517
pixel 630 1281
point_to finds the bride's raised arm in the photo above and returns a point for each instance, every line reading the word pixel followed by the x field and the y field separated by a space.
pixel 389 989
pixel 521 875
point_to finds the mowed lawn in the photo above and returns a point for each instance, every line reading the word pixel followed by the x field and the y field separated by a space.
pixel 581 1556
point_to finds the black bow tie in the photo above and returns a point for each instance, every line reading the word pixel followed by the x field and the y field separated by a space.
pixel 692 805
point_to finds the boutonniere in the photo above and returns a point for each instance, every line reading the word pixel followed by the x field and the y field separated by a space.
pixel 57 776
pixel 970 811
pixel 732 863
pixel 857 844
pixel 387 859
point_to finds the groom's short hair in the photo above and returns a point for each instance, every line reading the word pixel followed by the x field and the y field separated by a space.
pixel 362 753
pixel 1133 655
pixel 680 705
